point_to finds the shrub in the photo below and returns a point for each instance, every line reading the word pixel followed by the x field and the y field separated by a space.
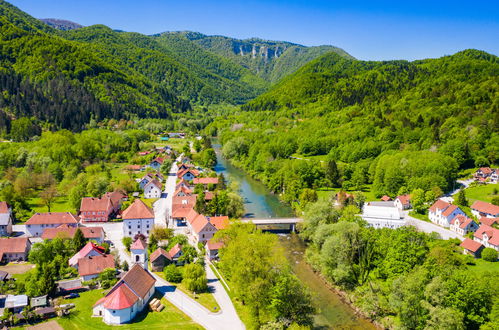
pixel 195 278
pixel 127 242
pixel 173 274
pixel 489 254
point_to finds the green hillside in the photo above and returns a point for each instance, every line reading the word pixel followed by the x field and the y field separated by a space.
pixel 271 60
pixel 393 124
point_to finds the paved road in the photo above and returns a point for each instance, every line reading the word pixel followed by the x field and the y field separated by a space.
pixel 163 205
pixel 223 320
pixel 429 227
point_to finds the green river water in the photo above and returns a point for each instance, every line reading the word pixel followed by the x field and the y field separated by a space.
pixel 333 313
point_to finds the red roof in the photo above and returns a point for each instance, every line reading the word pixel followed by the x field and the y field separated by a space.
pixel 52 218
pixel 85 251
pixel 159 252
pixel 92 204
pixel 134 167
pixel 121 298
pixel 138 210
pixel 220 222
pixel 65 231
pixel 386 198
pixel 440 205
pixel 181 212
pixel 205 180
pixel 486 208
pixel 4 207
pixel 404 199
pixel 139 244
pixel 160 160
pixel 448 211
pixel 174 250
pixel 182 189
pixel 471 245
pixel 492 234
pixel 181 173
pixel 213 245
pixel 154 182
pixel 489 221
pixel 486 170
pixel 13 245
pixel 463 221
pixel 95 265
pixel 208 195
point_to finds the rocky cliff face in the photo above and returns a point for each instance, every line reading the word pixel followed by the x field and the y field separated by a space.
pixel 61 24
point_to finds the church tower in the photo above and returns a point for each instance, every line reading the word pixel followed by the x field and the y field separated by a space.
pixel 139 253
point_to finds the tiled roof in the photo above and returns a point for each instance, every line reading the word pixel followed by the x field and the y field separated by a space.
pixel 90 246
pixel 440 205
pixel 213 245
pixel 492 234
pixel 154 182
pixel 120 298
pixel 489 221
pixel 174 250
pixel 159 252
pixel 404 199
pixel 92 204
pixel 95 265
pixel 65 231
pixel 4 207
pixel 471 245
pixel 486 208
pixel 52 218
pixel 13 245
pixel 220 222
pixel 139 244
pixel 138 210
pixel 463 221
pixel 386 198
pixel 205 181
pixel 486 170
pixel 448 211
pixel 181 212
pixel 139 280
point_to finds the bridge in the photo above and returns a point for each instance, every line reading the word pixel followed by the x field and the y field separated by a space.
pixel 274 224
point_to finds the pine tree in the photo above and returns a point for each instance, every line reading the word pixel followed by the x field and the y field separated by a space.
pixel 79 240
pixel 461 198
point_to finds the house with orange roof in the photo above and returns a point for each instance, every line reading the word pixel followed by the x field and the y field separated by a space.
pixel 183 183
pixel 212 249
pixel 442 213
pixel 101 209
pixel 42 221
pixel 487 236
pixel 6 219
pixel 65 231
pixel 14 249
pixel 484 209
pixel 90 267
pixel 403 202
pixel 127 298
pixel 188 174
pixel 461 224
pixel 472 247
pixel 489 221
pixel 159 259
pixel 175 253
pixel 200 228
pixel 138 218
pixel 205 181
pixel 182 191
pixel 89 250
pixel 220 222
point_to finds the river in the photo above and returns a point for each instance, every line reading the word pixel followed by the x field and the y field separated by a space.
pixel 333 313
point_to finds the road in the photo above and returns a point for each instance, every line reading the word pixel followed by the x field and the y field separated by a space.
pixel 429 227
pixel 114 233
pixel 163 205
pixel 226 319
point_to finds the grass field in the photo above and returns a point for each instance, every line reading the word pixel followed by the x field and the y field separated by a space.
pixel 17 269
pixel 61 204
pixel 206 299
pixel 81 316
pixel 483 266
pixel 481 192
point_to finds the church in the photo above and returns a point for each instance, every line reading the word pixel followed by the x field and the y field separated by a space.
pixel 130 295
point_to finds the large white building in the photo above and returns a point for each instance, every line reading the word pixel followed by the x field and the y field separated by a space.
pixel 138 218
pixel 152 189
pixel 442 213
pixel 41 221
pixel 382 215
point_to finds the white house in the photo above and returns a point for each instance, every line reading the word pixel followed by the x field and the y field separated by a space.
pixel 145 180
pixel 41 221
pixel 200 228
pixel 488 236
pixel 462 225
pixel 403 202
pixel 152 189
pixel 442 213
pixel 127 298
pixel 382 215
pixel 5 219
pixel 138 218
pixel 483 209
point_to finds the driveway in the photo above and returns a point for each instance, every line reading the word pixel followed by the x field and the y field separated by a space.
pixel 429 227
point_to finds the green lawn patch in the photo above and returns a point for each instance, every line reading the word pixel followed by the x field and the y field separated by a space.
pixel 483 192
pixel 81 316
pixel 423 217
pixel 483 267
pixel 149 201
pixel 206 299
pixel 61 204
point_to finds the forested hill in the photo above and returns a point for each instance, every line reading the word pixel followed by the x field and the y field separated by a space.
pixel 61 24
pixel 271 60
pixel 438 114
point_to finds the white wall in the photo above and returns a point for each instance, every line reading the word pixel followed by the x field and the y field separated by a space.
pixel 132 227
pixel 37 230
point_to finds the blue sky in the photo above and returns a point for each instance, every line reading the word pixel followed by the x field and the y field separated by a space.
pixel 369 30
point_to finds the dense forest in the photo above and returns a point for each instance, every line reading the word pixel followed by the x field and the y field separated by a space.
pixel 397 125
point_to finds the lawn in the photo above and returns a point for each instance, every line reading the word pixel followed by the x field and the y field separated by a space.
pixel 17 269
pixel 61 204
pixel 483 266
pixel 149 201
pixel 206 299
pixel 81 316
pixel 423 217
pixel 483 192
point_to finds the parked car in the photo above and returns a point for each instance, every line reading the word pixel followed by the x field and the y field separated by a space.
pixel 72 295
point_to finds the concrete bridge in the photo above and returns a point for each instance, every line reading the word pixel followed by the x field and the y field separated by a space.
pixel 274 224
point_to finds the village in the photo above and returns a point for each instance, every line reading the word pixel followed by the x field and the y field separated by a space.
pixel 125 244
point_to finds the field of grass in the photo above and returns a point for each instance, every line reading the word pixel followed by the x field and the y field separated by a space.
pixel 481 192
pixel 319 158
pixel 81 316
pixel 61 204
pixel 483 266
pixel 423 217
pixel 206 299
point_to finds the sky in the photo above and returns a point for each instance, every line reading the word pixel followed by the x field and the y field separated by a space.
pixel 368 30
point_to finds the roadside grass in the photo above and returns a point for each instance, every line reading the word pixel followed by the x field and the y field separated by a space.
pixel 419 216
pixel 206 298
pixel 483 192
pixel 482 267
pixel 81 316
pixel 149 201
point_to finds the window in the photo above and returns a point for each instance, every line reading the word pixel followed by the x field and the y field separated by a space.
pixel 130 233
pixel 129 227
pixel 138 226
pixel 137 258
pixel 148 232
pixel 148 226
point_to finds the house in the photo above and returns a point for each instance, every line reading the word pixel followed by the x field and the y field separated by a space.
pixel 403 202
pixel 472 247
pixel 386 198
pixel 188 174
pixel 184 166
pixel 212 249
pixel 175 253
pixel 144 153
pixel 382 215
pixel 40 301
pixel 489 221
pixel 181 206
pixel 16 303
pixel 134 168
pixel 159 259
pixel 156 163
pixel 128 297
pixel 138 251
pixel 461 224
pixel 488 236
pixel 483 173
pixel 177 135
pixel 484 209
pixel 201 229
pixel 41 221
pixel 138 218
pixel 64 231
pixel 205 181
pixel 14 249
pixel 152 189
pixel 45 312
pixel 182 191
pixel 145 180
pixel 90 267
pixel 89 250
pixel 6 219
pixel 100 209
pixel 494 177
pixel 442 213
